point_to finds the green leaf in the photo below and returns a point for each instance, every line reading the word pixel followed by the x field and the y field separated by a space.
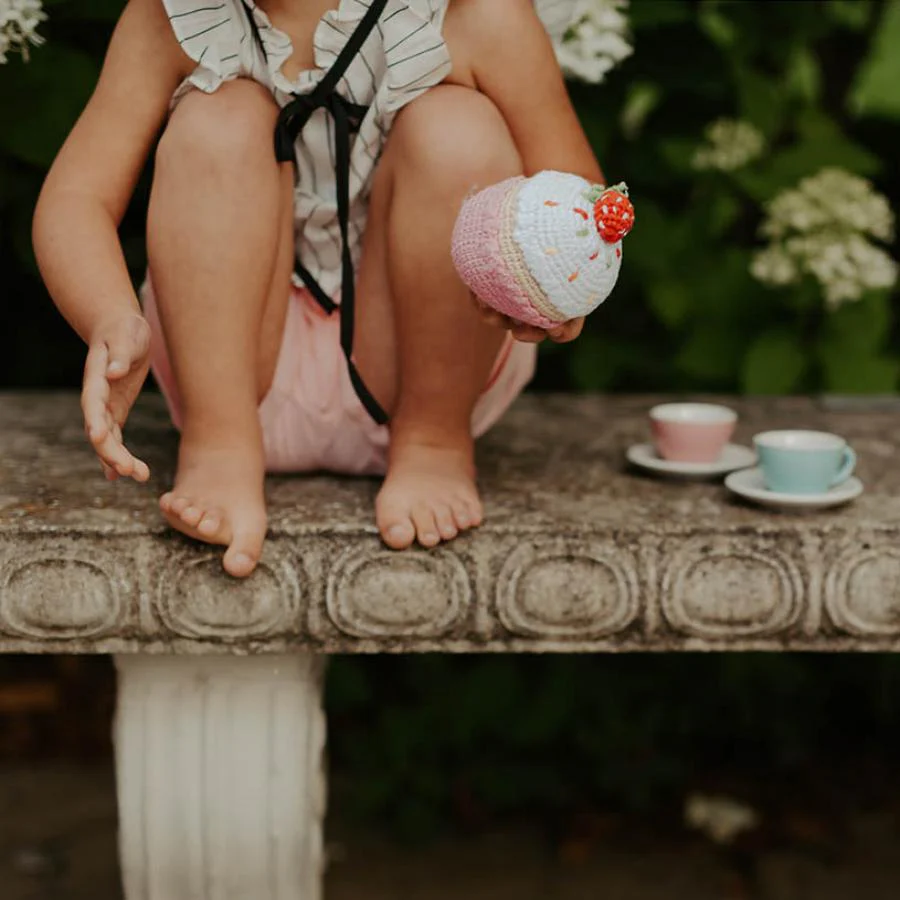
pixel 642 98
pixel 858 328
pixel 774 364
pixel 723 209
pixel 592 365
pixel 649 14
pixel 850 349
pixel 670 299
pixel 820 143
pixel 679 153
pixel 40 101
pixel 875 91
pixel 852 14
pixel 761 100
pixel 710 352
pixel 658 240
pixel 849 373
pixel 721 30
pixel 803 77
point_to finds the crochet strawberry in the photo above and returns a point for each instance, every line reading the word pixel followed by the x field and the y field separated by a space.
pixel 614 214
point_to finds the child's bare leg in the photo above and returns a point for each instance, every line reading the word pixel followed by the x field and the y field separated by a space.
pixel 442 146
pixel 220 247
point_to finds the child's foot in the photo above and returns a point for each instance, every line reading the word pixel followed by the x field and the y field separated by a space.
pixel 218 498
pixel 429 494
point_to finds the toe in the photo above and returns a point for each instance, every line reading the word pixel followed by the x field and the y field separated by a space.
pixel 446 523
pixel 210 524
pixel 243 553
pixel 165 501
pixel 461 515
pixel 179 504
pixel 476 513
pixel 394 524
pixel 426 528
pixel 191 515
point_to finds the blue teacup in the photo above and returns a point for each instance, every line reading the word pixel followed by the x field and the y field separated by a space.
pixel 803 462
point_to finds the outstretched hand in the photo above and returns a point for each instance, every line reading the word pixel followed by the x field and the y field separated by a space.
pixel 530 334
pixel 117 364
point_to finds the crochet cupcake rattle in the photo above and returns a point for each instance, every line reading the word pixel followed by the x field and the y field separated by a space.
pixel 545 249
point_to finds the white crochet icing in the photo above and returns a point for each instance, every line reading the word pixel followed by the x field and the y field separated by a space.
pixel 557 243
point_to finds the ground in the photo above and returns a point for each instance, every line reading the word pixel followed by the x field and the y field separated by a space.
pixel 57 842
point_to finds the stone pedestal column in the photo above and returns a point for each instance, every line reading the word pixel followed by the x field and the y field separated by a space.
pixel 220 778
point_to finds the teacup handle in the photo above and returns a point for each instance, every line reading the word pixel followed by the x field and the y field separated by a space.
pixel 847 467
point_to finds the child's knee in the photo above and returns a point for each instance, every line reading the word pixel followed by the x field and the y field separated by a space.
pixel 224 128
pixel 456 133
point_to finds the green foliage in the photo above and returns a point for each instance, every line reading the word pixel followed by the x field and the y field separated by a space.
pixel 481 738
pixel 818 79
pixel 875 90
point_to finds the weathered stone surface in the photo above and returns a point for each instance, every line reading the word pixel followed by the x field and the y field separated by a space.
pixel 577 554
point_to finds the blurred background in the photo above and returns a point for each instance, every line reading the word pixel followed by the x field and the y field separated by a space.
pixel 759 139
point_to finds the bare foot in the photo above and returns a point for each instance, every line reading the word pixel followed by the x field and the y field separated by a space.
pixel 218 497
pixel 429 494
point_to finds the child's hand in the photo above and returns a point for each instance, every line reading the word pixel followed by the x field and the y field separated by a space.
pixel 117 363
pixel 530 334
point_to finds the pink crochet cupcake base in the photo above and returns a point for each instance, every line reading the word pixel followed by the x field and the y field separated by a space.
pixel 495 269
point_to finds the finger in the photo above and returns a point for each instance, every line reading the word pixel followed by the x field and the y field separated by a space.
pixel 107 443
pixel 140 471
pixel 121 356
pixel 127 343
pixel 528 334
pixel 488 314
pixel 566 332
pixel 95 390
pixel 112 451
pixel 494 318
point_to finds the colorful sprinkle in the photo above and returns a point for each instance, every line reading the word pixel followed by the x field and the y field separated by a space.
pixel 573 276
pixel 618 252
pixel 551 251
pixel 594 255
pixel 582 213
pixel 550 203
pixel 582 232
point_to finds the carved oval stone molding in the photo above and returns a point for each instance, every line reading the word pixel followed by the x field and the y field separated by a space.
pixel 862 592
pixel 731 587
pixel 567 589
pixel 198 601
pixel 377 593
pixel 58 597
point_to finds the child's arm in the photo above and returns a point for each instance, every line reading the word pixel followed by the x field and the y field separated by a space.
pixel 81 205
pixel 509 58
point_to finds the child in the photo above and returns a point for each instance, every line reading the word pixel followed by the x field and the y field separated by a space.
pixel 385 116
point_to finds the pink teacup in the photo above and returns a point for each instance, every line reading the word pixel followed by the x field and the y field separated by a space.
pixel 691 432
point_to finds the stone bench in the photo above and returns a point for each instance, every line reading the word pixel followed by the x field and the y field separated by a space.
pixel 219 730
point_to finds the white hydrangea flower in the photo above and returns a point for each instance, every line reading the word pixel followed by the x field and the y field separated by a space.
pixel 590 36
pixel 775 266
pixel 730 144
pixel 721 819
pixel 19 20
pixel 829 196
pixel 825 228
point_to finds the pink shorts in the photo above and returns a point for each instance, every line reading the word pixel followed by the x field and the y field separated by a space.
pixel 311 418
